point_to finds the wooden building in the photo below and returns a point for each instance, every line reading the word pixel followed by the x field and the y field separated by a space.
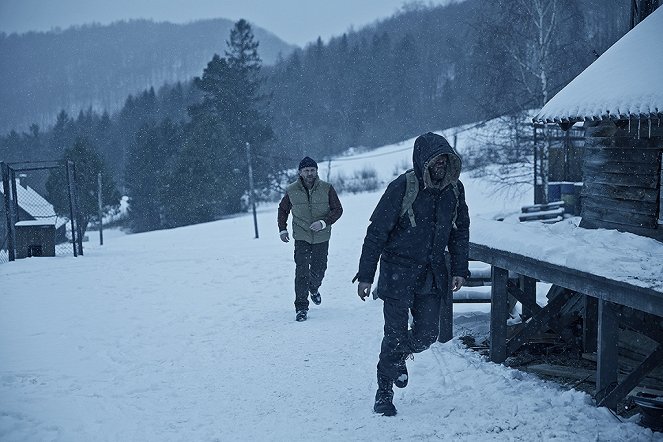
pixel 619 100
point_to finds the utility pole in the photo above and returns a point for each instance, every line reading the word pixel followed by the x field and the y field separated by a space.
pixel 101 213
pixel 252 198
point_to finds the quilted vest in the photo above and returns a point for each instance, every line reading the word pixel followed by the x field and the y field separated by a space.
pixel 309 205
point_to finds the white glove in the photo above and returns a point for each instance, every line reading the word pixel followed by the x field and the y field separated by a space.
pixel 318 225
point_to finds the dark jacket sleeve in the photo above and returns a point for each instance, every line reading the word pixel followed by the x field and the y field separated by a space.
pixel 284 210
pixel 459 240
pixel 335 208
pixel 383 220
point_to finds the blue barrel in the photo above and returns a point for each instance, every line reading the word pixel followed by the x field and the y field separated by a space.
pixel 578 193
pixel 568 191
pixel 554 191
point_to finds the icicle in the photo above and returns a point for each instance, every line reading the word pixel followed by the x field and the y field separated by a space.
pixel 629 123
pixel 649 127
pixel 639 120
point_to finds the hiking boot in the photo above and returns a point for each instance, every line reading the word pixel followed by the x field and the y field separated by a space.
pixel 402 378
pixel 384 397
pixel 316 298
pixel 301 316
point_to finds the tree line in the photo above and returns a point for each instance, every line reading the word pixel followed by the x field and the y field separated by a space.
pixel 101 64
pixel 179 152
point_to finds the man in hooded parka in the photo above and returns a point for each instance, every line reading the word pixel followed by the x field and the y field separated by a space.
pixel 410 246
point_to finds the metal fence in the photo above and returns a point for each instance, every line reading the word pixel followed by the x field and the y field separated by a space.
pixel 30 225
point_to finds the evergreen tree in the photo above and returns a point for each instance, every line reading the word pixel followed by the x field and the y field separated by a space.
pixel 151 158
pixel 212 168
pixel 88 165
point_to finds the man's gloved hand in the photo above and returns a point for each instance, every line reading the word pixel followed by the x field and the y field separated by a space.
pixel 284 236
pixel 364 290
pixel 317 226
pixel 457 282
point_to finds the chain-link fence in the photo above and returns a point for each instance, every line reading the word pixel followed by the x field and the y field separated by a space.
pixel 30 224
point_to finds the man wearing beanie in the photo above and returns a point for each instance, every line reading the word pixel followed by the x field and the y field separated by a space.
pixel 315 207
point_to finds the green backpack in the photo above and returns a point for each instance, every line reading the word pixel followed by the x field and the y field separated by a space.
pixel 411 192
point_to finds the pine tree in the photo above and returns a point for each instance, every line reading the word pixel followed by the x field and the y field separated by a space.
pixel 151 158
pixel 88 165
pixel 212 168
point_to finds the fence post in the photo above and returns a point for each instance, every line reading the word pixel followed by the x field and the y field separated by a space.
pixel 70 186
pixel 77 205
pixel 8 211
pixel 252 195
pixel 101 213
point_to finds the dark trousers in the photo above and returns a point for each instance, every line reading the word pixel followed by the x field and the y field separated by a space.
pixel 310 266
pixel 398 341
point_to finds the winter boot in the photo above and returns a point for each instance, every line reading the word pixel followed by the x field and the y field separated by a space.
pixel 402 378
pixel 316 298
pixel 384 397
pixel 301 315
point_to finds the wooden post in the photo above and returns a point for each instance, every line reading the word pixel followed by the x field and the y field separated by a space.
pixel 101 212
pixel 70 186
pixel 77 206
pixel 251 192
pixel 528 286
pixel 606 376
pixel 498 314
pixel 8 211
pixel 590 324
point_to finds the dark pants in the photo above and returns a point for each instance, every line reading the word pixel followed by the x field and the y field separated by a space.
pixel 310 266
pixel 398 341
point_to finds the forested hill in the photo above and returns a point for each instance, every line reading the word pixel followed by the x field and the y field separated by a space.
pixel 429 68
pixel 425 68
pixel 42 73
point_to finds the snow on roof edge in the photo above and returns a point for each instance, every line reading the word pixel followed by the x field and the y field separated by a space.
pixel 593 94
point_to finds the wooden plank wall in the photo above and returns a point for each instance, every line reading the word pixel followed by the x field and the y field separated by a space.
pixel 622 177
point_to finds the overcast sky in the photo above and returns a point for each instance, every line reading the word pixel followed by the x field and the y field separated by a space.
pixel 295 21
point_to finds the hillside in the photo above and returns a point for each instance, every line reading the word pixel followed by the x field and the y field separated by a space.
pixel 189 334
pixel 99 66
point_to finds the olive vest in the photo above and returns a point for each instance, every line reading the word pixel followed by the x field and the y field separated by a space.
pixel 308 206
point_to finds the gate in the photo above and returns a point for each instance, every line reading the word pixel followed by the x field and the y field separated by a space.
pixel 30 225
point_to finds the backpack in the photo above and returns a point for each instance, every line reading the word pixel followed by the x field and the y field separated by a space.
pixel 411 192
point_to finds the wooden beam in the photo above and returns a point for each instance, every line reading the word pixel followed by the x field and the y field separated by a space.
pixel 619 292
pixel 643 326
pixel 528 286
pixel 590 325
pixel 607 363
pixel 499 311
pixel 631 381
pixel 558 298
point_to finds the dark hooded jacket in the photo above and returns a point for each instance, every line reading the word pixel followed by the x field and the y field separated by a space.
pixel 409 255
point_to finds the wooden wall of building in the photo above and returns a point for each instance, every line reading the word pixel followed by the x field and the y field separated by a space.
pixel 622 177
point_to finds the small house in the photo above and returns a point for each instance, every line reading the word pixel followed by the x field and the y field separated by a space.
pixel 619 100
pixel 33 210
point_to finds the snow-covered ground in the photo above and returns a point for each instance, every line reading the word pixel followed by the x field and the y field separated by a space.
pixel 189 335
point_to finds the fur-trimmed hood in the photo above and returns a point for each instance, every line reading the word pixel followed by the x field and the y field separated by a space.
pixel 427 148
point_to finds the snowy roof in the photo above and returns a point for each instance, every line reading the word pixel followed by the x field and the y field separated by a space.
pixel 35 205
pixel 36 222
pixel 626 81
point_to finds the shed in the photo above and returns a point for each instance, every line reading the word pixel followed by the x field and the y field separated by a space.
pixel 35 238
pixel 31 206
pixel 619 100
